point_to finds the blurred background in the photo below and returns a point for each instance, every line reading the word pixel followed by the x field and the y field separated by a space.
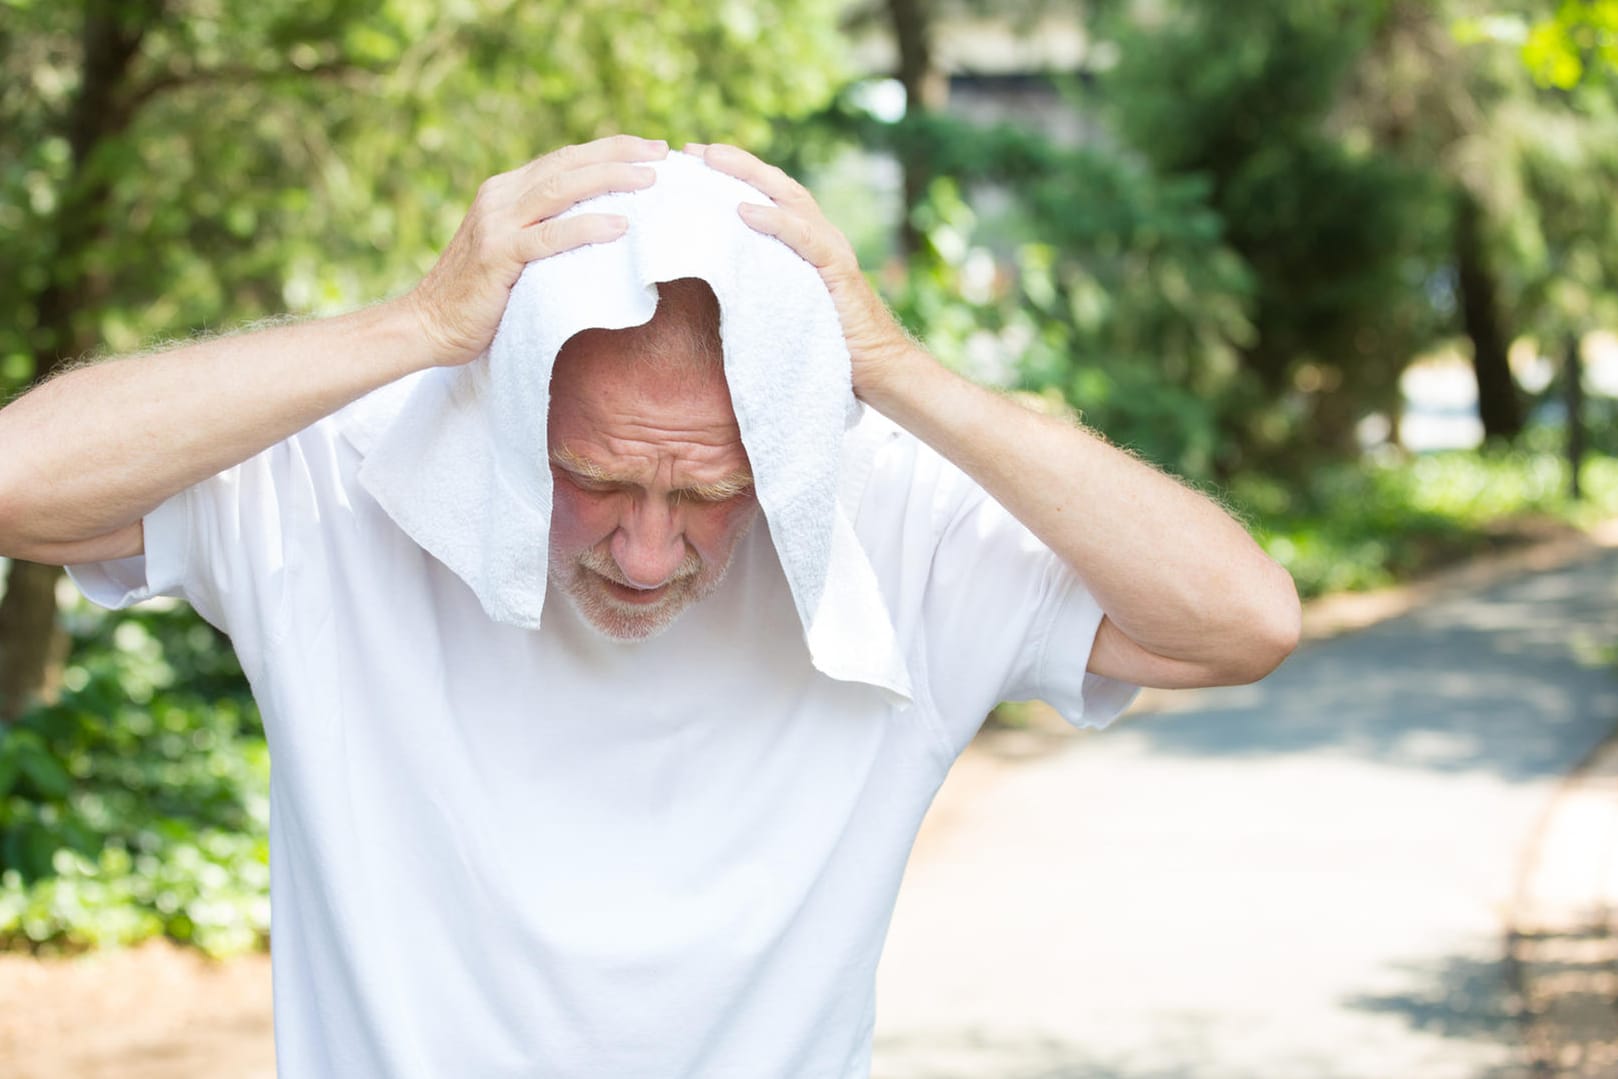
pixel 1350 266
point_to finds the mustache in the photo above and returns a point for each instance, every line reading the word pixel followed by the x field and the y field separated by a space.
pixel 603 565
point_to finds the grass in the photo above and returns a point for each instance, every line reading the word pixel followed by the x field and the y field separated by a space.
pixel 1365 526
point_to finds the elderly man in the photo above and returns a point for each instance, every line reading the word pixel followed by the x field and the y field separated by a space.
pixel 649 838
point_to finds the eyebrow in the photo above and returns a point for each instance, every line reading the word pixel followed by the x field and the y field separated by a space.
pixel 732 485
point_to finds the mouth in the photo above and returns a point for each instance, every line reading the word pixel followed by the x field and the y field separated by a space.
pixel 637 596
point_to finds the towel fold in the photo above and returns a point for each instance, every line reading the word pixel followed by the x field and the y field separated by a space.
pixel 458 456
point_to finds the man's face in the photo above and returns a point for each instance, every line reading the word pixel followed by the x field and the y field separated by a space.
pixel 653 488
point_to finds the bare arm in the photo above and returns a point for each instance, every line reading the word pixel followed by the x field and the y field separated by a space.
pixel 94 450
pixel 1189 598
pixel 84 457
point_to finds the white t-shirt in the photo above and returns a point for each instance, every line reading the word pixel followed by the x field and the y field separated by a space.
pixel 505 853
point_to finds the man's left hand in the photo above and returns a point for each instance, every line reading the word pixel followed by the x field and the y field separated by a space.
pixel 878 346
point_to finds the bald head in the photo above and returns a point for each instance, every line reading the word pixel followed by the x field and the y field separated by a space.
pixel 681 339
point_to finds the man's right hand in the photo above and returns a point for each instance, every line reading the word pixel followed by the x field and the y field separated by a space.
pixel 511 223
pixel 84 457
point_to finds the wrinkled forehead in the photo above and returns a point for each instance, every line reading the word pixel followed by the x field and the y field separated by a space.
pixel 603 400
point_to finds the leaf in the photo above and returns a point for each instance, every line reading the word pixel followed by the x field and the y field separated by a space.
pixel 8 770
pixel 39 848
pixel 49 776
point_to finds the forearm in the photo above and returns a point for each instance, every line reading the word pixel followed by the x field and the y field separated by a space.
pixel 99 447
pixel 1175 574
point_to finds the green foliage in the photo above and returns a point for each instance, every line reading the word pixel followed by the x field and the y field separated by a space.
pixel 253 158
pixel 1563 236
pixel 1356 527
pixel 1341 243
pixel 1578 42
pixel 1540 162
pixel 138 804
pixel 1109 287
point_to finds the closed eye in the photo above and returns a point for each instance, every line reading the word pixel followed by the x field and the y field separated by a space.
pixel 584 476
pixel 587 483
pixel 724 491
pixel 594 486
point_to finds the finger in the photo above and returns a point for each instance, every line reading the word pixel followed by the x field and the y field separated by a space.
pixel 775 183
pixel 555 236
pixel 811 243
pixel 695 149
pixel 619 148
pixel 611 148
pixel 550 195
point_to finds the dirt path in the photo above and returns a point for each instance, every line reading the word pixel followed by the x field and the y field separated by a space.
pixel 152 1012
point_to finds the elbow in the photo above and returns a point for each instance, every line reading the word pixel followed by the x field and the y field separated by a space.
pixel 1272 628
pixel 19 537
pixel 20 514
pixel 1251 636
pixel 1238 639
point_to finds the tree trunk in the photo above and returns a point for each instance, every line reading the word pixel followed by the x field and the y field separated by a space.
pixel 926 90
pixel 32 646
pixel 1500 407
pixel 1573 387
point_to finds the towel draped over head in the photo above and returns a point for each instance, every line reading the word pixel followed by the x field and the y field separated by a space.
pixel 458 456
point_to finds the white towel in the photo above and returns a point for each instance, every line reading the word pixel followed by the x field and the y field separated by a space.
pixel 458 456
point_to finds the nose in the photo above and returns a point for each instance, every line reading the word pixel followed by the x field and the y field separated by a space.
pixel 649 544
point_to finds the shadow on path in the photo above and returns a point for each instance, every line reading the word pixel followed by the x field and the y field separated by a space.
pixel 1515 681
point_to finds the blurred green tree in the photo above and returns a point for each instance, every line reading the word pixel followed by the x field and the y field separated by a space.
pixel 1299 199
pixel 1341 241
pixel 1437 102
pixel 1110 288
pixel 1441 94
pixel 169 165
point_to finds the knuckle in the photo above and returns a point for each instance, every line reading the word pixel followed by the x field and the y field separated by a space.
pixel 552 188
pixel 547 236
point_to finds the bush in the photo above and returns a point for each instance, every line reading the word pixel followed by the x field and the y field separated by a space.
pixel 138 803
pixel 1356 527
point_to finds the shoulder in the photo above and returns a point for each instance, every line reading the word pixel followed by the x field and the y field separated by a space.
pixel 886 467
pixel 362 422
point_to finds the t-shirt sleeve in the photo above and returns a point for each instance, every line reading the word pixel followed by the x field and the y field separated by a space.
pixel 159 571
pixel 988 610
pixel 223 544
